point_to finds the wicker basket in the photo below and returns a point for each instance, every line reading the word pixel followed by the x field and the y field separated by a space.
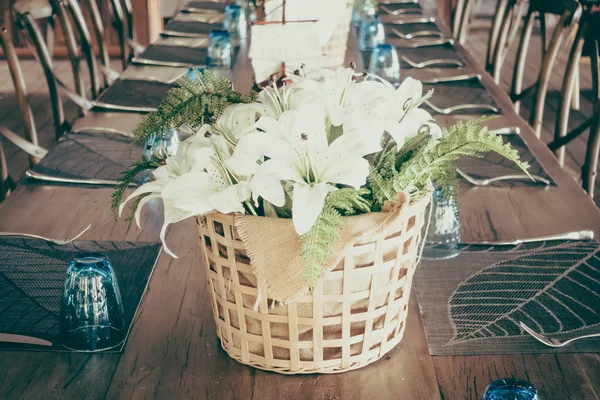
pixel 356 313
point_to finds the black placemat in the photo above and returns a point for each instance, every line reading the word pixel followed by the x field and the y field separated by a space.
pixel 134 93
pixel 422 54
pixel 207 5
pixel 400 8
pixel 181 54
pixel 493 165
pixel 89 156
pixel 472 304
pixel 192 26
pixel 411 29
pixel 32 276
pixel 450 94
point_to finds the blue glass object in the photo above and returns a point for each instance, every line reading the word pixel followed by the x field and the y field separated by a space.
pixel 385 64
pixel 191 73
pixel 91 314
pixel 234 21
pixel 165 144
pixel 361 9
pixel 220 50
pixel 443 235
pixel 371 32
pixel 511 389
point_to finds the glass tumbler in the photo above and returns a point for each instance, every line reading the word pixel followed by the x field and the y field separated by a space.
pixel 443 235
pixel 91 315
pixel 165 144
pixel 220 50
pixel 362 8
pixel 511 389
pixel 371 32
pixel 385 64
pixel 234 21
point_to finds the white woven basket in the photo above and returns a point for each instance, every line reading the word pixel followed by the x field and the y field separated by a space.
pixel 356 313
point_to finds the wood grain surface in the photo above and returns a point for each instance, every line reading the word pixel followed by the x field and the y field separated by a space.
pixel 173 352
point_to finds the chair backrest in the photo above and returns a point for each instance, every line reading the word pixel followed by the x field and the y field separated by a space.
pixel 29 143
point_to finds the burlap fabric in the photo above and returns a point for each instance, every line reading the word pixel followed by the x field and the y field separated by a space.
pixel 266 316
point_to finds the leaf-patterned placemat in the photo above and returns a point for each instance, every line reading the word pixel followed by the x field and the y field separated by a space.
pixel 472 304
pixel 85 155
pixel 32 275
pixel 492 165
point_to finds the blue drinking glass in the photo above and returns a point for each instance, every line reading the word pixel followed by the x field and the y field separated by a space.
pixel 511 389
pixel 443 235
pixel 91 314
pixel 361 9
pixel 165 144
pixel 234 21
pixel 220 50
pixel 371 32
pixel 385 64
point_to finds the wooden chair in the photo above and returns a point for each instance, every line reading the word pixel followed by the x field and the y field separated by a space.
pixel 569 12
pixel 503 33
pixel 587 40
pixel 29 143
pixel 123 24
pixel 461 19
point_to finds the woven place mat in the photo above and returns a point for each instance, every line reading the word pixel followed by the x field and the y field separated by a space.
pixel 89 156
pixel 180 54
pixel 32 276
pixel 422 54
pixel 450 94
pixel 409 29
pixel 472 304
pixel 400 8
pixel 493 165
pixel 192 26
pixel 133 93
pixel 207 5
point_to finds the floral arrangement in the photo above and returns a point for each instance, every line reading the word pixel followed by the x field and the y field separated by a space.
pixel 324 145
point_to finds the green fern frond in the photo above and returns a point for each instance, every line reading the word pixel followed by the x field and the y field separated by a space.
pixel 194 103
pixel 127 178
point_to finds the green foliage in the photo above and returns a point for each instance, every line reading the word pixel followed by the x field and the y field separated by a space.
pixel 126 179
pixel 194 103
pixel 316 243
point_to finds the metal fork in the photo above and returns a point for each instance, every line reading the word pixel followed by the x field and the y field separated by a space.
pixel 59 242
pixel 429 63
pixel 145 61
pixel 554 342
pixel 456 78
pixel 413 35
pixel 487 181
pixel 49 178
pixel 168 33
pixel 460 107
pixel 577 235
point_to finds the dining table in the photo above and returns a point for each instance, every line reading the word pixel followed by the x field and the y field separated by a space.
pixel 173 352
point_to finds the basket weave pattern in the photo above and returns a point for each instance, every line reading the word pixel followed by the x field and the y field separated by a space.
pixel 355 315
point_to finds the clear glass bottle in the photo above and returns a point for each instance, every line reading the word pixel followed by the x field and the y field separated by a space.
pixel 163 143
pixel 371 32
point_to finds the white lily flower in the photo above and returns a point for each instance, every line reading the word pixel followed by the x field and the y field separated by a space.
pixel 238 120
pixel 192 183
pixel 298 151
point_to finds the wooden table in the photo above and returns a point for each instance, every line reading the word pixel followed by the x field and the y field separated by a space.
pixel 173 351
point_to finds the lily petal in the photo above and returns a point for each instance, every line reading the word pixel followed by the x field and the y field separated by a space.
pixel 307 205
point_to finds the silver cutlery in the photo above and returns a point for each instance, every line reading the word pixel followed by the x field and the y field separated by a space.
pixel 48 178
pixel 554 342
pixel 461 107
pixel 426 43
pixel 401 11
pixel 413 35
pixel 59 242
pixel 195 10
pixel 510 130
pixel 11 338
pixel 456 78
pixel 392 19
pixel 145 61
pixel 512 177
pixel 101 129
pixel 577 235
pixel 430 63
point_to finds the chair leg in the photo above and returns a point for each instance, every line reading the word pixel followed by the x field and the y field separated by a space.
pixel 595 64
pixel 576 99
pixel 567 90
pixel 517 82
pixel 590 166
pixel 3 174
pixel 498 19
pixel 466 20
pixel 501 45
pixel 543 34
pixel 456 19
pixel 537 119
